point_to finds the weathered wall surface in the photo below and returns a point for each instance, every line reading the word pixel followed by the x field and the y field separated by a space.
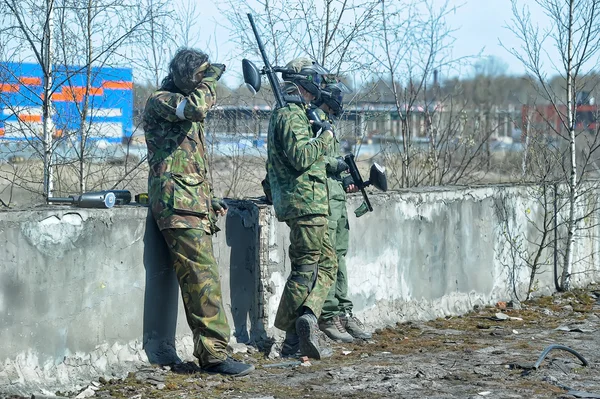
pixel 428 253
pixel 85 293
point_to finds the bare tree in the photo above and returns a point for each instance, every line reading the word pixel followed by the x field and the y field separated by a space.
pixel 436 143
pixel 116 24
pixel 328 32
pixel 574 32
pixel 34 30
pixel 187 18
pixel 153 44
pixel 71 41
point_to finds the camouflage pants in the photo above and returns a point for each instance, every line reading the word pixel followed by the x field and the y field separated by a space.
pixel 310 252
pixel 337 302
pixel 196 268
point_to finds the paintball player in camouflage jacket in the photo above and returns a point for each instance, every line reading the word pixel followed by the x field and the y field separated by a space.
pixel 182 201
pixel 297 182
pixel 336 320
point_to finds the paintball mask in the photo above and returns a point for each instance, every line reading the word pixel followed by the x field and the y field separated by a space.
pixel 332 94
pixel 305 73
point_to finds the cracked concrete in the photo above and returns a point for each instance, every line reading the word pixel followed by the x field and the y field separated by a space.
pixel 89 292
pixel 472 356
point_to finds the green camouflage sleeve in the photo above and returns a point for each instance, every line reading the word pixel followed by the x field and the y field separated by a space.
pixel 175 107
pixel 299 147
pixel 331 164
pixel 330 159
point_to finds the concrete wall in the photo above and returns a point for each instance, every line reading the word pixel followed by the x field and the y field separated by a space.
pixel 85 293
pixel 429 253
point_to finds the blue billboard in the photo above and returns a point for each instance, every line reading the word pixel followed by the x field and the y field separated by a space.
pixel 110 102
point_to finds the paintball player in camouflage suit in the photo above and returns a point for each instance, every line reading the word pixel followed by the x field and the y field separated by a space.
pixel 336 320
pixel 182 201
pixel 297 186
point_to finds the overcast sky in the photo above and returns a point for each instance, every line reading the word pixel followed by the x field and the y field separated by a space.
pixel 481 24
pixel 478 26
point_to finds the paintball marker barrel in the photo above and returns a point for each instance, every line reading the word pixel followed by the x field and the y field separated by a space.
pixel 97 199
pixel 252 74
pixel 122 197
pixel 268 70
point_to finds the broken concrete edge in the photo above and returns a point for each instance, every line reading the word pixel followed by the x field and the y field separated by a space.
pixel 35 374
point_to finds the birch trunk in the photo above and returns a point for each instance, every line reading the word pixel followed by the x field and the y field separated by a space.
pixel 571 225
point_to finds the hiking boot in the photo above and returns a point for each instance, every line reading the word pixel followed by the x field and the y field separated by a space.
pixel 335 330
pixel 355 327
pixel 291 345
pixel 230 366
pixel 307 328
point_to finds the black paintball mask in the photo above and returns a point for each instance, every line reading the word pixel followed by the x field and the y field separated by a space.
pixel 305 73
pixel 332 95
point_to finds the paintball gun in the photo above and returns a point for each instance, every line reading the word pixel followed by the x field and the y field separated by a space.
pixel 252 73
pixel 377 179
pixel 97 199
pixel 253 82
pixel 252 78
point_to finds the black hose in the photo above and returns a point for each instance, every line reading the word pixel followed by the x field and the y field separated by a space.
pixel 561 347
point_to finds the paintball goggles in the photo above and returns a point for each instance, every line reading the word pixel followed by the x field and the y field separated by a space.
pixel 377 179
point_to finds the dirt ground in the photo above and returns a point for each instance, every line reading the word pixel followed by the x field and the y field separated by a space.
pixel 489 352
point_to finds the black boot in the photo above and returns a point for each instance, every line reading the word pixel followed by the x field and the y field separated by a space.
pixel 230 366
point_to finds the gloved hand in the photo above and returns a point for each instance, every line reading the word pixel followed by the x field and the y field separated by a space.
pixel 219 206
pixel 324 125
pixel 341 166
pixel 348 184
pixel 214 72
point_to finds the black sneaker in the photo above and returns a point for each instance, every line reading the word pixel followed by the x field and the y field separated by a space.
pixel 306 328
pixel 230 366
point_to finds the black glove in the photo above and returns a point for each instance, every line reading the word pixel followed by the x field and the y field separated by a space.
pixel 347 182
pixel 341 166
pixel 318 125
pixel 218 205
pixel 214 72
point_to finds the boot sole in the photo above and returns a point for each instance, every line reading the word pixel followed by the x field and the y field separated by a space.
pixel 343 340
pixel 309 345
pixel 360 336
pixel 243 373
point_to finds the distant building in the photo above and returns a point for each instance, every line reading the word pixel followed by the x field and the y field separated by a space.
pixel 110 116
pixel 550 119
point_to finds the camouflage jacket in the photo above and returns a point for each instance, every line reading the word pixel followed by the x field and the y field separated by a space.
pixel 178 188
pixel 334 180
pixel 296 173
